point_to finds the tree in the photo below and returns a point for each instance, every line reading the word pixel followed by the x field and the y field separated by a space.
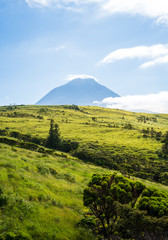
pixel 119 207
pixel 105 196
pixel 54 139
pixel 164 151
pixel 155 202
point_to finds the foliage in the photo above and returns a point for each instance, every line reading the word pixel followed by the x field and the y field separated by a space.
pixel 104 196
pixel 128 126
pixel 19 236
pixel 53 140
pixel 3 199
pixel 165 146
pixel 136 224
pixel 43 187
pixel 120 158
pixel 68 145
pixel 73 106
pixel 144 119
pixel 154 202
pixel 115 209
pixel 150 132
pixel 43 194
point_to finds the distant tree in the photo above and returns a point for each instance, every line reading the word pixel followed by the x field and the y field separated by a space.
pixel 164 151
pixel 54 139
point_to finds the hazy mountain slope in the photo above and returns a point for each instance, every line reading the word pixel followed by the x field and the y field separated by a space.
pixel 79 92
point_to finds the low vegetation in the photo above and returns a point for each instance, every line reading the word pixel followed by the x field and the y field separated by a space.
pixel 119 207
pixel 41 194
pixel 128 142
pixel 48 155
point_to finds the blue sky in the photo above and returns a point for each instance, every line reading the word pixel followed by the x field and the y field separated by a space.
pixel 123 44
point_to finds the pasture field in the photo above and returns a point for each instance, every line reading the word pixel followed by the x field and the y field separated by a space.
pixel 45 194
pixel 41 193
pixel 125 141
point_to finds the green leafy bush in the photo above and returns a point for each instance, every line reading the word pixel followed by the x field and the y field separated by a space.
pixel 116 211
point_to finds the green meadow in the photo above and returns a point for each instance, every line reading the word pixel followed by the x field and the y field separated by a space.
pixel 125 141
pixel 44 193
pixel 41 193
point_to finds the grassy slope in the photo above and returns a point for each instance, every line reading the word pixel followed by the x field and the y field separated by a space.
pixel 47 205
pixel 107 130
pixel 43 204
pixel 78 125
pixel 44 192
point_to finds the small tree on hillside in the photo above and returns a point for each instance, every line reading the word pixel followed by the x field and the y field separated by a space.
pixel 54 139
pixel 165 146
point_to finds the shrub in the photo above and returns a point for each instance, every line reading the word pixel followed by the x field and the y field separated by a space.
pixel 3 199
pixel 10 236
pixel 43 169
pixel 23 236
pixel 1 237
pixel 8 141
pixel 67 145
pixel 104 197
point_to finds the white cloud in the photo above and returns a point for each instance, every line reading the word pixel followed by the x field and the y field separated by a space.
pixel 81 76
pixel 69 4
pixel 38 3
pixel 155 9
pixel 157 103
pixel 157 53
pixel 137 52
pixel 161 60
pixel 57 49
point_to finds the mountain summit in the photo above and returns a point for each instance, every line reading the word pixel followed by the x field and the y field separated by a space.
pixel 79 91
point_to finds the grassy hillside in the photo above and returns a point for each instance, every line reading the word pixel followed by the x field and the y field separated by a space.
pixel 44 194
pixel 124 141
pixel 41 191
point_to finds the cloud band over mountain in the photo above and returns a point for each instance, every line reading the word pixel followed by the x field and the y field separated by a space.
pixel 157 103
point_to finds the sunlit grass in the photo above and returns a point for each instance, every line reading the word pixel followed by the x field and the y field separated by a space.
pixel 52 186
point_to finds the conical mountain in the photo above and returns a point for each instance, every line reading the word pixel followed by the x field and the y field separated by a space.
pixel 79 91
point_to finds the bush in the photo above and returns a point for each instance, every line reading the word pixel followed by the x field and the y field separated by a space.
pixel 23 236
pixel 128 126
pixel 19 236
pixel 105 196
pixel 3 201
pixel 8 141
pixel 115 209
pixel 67 145
pixel 10 236
pixel 1 237
pixel 154 202
pixel 43 169
pixel 28 145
